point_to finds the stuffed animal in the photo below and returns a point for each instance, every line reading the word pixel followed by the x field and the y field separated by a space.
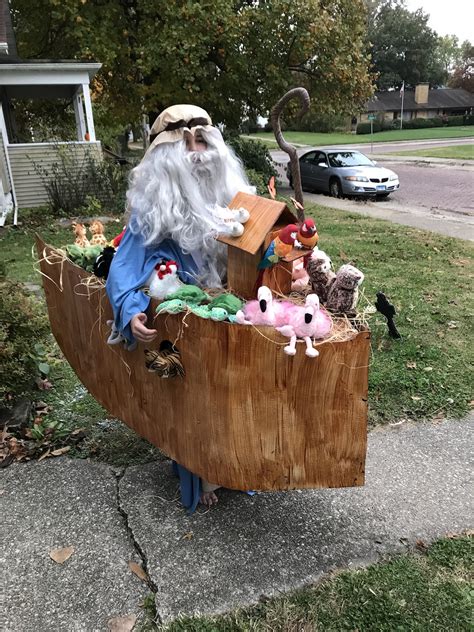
pixel 81 235
pixel 232 304
pixel 189 294
pixel 307 234
pixel 259 312
pixel 97 232
pixel 344 292
pixel 306 322
pixel 172 306
pixel 164 280
pixel 103 262
pixel 166 362
pixel 321 277
pixel 281 246
pixel 116 240
pixel 233 219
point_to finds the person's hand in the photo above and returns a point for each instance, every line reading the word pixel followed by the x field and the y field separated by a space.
pixel 139 329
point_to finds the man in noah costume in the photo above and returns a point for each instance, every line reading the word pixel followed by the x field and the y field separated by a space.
pixel 186 174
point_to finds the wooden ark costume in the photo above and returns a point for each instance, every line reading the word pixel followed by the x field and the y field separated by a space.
pixel 245 415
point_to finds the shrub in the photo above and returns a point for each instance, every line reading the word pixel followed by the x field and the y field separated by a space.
pixel 468 119
pixel 421 123
pixel 364 128
pixel 258 180
pixel 316 122
pixel 390 125
pixel 254 155
pixel 23 324
pixel 74 177
pixel 454 121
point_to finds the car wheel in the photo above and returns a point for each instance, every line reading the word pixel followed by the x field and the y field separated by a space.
pixel 335 189
pixel 382 196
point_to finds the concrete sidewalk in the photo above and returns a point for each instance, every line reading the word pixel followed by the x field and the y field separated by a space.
pixel 247 547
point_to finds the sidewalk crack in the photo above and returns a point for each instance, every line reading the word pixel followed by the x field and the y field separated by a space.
pixel 119 474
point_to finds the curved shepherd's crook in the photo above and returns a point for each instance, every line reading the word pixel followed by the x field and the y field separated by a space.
pixel 303 95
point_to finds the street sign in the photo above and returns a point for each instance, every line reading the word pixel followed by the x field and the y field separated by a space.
pixel 372 117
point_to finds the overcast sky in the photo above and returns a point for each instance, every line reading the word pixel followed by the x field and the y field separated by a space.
pixel 448 17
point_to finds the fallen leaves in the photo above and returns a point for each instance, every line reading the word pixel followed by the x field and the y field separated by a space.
pixel 138 571
pixel 410 365
pixel 43 438
pixel 122 624
pixel 61 555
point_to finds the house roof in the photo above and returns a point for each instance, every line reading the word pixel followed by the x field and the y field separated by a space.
pixel 26 79
pixel 438 98
pixel 264 214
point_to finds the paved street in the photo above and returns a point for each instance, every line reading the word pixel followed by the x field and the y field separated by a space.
pixel 433 196
pixel 447 189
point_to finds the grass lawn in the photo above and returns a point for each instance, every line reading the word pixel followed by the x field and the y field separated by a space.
pixel 333 138
pixel 428 277
pixel 462 152
pixel 426 591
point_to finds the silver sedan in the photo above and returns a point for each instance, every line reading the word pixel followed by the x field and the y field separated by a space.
pixel 344 172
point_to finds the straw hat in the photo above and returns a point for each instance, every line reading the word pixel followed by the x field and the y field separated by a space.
pixel 175 120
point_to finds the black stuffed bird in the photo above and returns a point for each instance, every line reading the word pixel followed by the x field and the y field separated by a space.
pixel 103 262
pixel 388 310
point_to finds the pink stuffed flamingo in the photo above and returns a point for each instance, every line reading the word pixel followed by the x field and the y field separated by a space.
pixel 265 310
pixel 305 322
pixel 259 312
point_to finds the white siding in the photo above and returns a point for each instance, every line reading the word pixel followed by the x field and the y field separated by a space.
pixel 6 182
pixel 27 160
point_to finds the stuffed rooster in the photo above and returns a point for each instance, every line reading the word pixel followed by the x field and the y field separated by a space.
pixel 164 279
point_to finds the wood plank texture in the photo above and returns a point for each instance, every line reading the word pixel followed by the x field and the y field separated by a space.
pixel 264 214
pixel 246 415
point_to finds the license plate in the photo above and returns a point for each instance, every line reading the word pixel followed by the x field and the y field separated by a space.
pixel 381 187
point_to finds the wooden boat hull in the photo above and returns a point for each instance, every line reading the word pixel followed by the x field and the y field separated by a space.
pixel 245 416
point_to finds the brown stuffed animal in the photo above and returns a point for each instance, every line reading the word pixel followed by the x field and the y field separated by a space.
pixel 321 277
pixel 97 231
pixel 81 235
pixel 344 292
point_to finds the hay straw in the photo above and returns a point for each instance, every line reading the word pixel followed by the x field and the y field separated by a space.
pixel 57 256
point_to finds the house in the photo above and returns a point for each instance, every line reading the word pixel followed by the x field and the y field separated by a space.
pixel 419 103
pixel 21 185
pixel 267 217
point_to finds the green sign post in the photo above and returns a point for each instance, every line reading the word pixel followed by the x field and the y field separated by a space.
pixel 372 118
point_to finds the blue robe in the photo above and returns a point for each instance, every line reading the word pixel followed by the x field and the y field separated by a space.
pixel 131 268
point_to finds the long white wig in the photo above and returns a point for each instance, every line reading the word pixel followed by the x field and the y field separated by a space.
pixel 173 192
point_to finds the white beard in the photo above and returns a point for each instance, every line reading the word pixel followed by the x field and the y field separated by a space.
pixel 177 194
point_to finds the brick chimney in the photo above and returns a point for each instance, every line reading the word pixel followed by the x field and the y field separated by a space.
pixel 421 93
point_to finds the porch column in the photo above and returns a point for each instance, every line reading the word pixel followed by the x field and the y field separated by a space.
pixel 79 114
pixel 89 116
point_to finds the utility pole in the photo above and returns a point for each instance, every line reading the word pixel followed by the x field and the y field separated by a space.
pixel 402 94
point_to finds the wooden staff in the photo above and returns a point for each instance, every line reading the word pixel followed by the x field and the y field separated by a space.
pixel 303 96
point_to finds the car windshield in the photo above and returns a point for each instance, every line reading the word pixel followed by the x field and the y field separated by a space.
pixel 349 159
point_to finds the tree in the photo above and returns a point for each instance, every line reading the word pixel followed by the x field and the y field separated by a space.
pixel 463 73
pixel 233 57
pixel 403 47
